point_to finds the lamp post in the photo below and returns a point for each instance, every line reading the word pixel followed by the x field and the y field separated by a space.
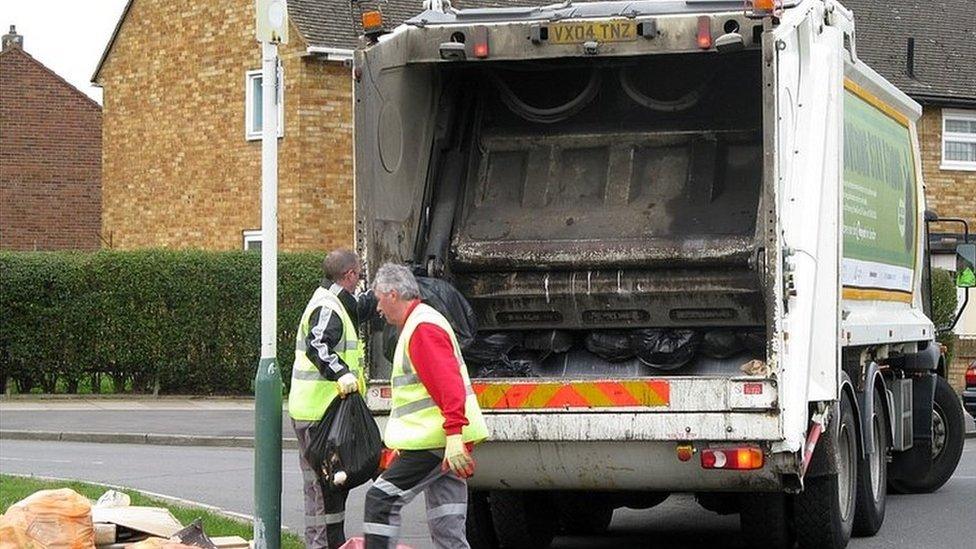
pixel 271 30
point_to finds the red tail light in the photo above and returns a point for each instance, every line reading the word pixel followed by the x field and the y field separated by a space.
pixel 971 376
pixel 704 32
pixel 481 42
pixel 745 458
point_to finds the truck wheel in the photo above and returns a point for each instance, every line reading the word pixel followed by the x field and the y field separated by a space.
pixel 523 520
pixel 578 516
pixel 766 521
pixel 872 474
pixel 948 437
pixel 823 513
pixel 478 528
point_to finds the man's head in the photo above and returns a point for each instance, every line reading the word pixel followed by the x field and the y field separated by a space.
pixel 396 288
pixel 343 267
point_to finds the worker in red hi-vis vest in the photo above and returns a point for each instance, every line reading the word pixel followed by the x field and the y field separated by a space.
pixel 434 419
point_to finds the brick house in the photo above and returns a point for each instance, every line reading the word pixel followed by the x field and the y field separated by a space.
pixel 928 50
pixel 182 150
pixel 181 132
pixel 50 157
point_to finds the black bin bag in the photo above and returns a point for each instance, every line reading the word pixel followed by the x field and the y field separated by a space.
pixel 548 341
pixel 720 343
pixel 448 301
pixel 610 345
pixel 490 347
pixel 665 349
pixel 346 451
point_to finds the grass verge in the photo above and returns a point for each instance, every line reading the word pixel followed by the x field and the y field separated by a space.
pixel 14 489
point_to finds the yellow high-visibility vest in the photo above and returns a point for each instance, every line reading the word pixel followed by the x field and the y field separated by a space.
pixel 416 423
pixel 310 393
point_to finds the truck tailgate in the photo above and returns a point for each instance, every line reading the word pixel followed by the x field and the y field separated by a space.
pixel 673 408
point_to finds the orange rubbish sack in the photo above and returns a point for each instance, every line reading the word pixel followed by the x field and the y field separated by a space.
pixel 48 519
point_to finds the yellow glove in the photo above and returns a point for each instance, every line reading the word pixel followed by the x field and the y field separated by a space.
pixel 457 458
pixel 348 383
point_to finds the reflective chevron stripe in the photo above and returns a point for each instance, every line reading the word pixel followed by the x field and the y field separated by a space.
pixel 573 394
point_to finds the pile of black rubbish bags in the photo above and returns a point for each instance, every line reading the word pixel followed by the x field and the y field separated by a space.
pixel 520 353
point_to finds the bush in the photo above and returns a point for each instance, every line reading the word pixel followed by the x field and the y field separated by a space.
pixel 944 304
pixel 169 321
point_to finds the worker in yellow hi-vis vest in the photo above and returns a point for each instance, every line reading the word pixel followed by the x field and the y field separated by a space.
pixel 328 364
pixel 434 420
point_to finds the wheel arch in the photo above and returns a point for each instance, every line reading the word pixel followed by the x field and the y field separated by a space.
pixel 847 386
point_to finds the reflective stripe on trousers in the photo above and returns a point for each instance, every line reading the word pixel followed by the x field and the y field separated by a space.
pixel 414 472
pixel 324 506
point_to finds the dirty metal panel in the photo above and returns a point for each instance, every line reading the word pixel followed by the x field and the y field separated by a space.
pixel 623 426
pixel 394 132
pixel 614 298
pixel 602 253
pixel 630 465
pixel 632 194
pixel 512 40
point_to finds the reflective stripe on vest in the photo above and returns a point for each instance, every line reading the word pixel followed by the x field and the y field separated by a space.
pixel 416 423
pixel 310 393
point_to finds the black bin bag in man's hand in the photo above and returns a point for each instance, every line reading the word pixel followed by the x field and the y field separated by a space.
pixel 346 450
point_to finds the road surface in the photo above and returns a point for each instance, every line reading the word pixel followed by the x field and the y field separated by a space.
pixel 222 477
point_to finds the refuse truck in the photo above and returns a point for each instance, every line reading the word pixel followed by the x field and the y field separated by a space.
pixel 694 238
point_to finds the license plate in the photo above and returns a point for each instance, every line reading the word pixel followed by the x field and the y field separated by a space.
pixel 599 31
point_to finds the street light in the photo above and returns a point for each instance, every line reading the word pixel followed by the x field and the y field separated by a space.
pixel 271 29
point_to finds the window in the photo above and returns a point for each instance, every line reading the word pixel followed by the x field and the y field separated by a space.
pixel 252 241
pixel 253 97
pixel 958 140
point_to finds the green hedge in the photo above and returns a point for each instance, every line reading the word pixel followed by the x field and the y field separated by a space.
pixel 944 303
pixel 184 322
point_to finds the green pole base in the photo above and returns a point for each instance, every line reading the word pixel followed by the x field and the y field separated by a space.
pixel 267 455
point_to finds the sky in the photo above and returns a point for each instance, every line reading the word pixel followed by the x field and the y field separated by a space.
pixel 68 36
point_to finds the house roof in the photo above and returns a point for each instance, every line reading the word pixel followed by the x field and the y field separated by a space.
pixel 944 33
pixel 30 58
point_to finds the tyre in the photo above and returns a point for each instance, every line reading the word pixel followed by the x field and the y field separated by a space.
pixel 948 438
pixel 766 521
pixel 584 516
pixel 479 528
pixel 872 475
pixel 523 520
pixel 823 513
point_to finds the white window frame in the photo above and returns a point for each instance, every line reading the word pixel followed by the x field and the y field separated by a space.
pixel 249 78
pixel 957 114
pixel 251 237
